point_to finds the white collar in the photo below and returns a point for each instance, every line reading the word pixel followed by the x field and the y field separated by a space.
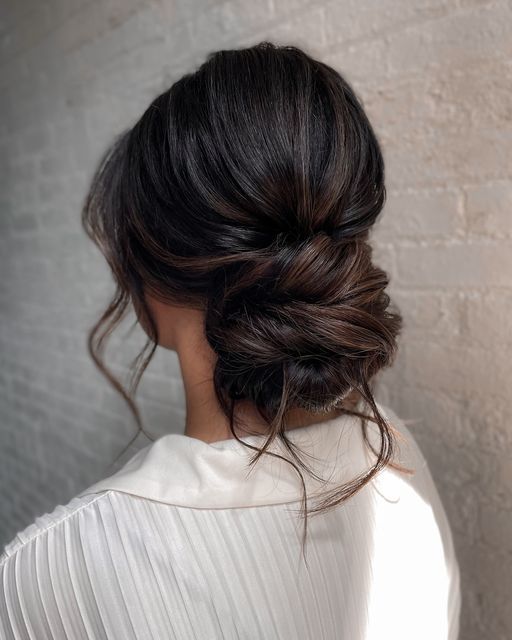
pixel 181 470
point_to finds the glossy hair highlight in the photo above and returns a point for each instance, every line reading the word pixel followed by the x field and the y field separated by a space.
pixel 247 190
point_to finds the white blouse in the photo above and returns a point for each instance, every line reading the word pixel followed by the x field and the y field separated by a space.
pixel 184 542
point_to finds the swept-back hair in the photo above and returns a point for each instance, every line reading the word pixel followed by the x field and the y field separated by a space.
pixel 247 190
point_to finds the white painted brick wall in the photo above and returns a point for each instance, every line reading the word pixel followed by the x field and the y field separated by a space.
pixel 435 77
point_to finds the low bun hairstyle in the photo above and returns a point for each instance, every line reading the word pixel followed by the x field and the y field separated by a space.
pixel 247 190
pixel 310 315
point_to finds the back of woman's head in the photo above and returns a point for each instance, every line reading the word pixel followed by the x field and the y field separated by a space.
pixel 248 190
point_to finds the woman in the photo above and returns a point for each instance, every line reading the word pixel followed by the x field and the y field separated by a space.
pixel 235 217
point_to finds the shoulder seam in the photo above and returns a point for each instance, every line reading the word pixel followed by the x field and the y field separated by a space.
pixel 4 556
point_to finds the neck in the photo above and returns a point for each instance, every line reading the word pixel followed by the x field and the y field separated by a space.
pixel 205 419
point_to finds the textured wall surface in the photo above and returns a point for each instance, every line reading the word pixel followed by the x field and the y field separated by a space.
pixel 435 77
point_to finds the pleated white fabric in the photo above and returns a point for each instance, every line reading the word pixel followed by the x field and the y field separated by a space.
pixel 185 543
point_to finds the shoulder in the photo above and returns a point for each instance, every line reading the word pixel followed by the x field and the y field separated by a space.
pixel 408 450
pixel 413 491
pixel 411 518
pixel 43 524
pixel 69 571
pixel 51 571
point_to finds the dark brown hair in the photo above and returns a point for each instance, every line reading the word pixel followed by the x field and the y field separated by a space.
pixel 248 190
